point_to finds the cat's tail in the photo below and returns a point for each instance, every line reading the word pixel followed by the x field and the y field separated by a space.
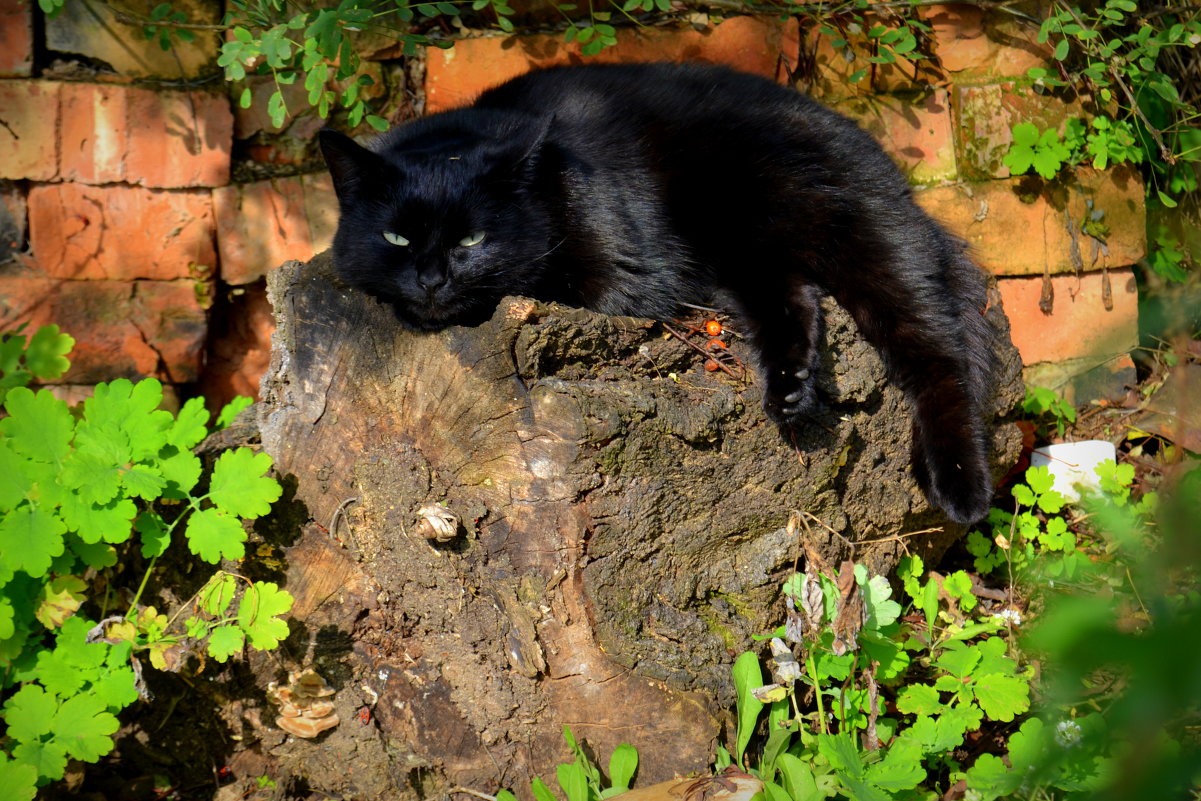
pixel 928 321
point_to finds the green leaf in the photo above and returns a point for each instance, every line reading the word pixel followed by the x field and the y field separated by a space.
pixel 39 425
pixel 573 781
pixel 798 779
pixel 622 764
pixel 29 712
pixel 18 779
pixel 180 472
pixel 231 410
pixel 541 791
pixel 92 522
pixel 225 641
pixel 49 759
pixel 83 726
pixel 881 610
pixel 919 699
pixel 154 534
pixel 14 483
pixel 901 768
pixel 117 688
pixel 1061 50
pixel 30 537
pixel 45 353
pixel 239 486
pixel 1002 697
pixel 748 676
pixel 1025 134
pixel 218 594
pixel 190 425
pixel 958 659
pixel 214 536
pixel 258 614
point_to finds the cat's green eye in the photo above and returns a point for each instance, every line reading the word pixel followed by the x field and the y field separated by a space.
pixel 474 239
pixel 396 239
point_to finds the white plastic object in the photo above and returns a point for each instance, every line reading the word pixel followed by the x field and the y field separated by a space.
pixel 1072 464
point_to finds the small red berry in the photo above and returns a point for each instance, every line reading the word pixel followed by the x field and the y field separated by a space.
pixel 711 366
pixel 712 328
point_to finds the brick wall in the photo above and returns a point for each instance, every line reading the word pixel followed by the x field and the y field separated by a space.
pixel 119 220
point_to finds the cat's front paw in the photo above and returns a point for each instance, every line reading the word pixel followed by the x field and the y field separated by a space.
pixel 791 395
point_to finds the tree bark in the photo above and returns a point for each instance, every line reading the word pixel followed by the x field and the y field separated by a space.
pixel 623 528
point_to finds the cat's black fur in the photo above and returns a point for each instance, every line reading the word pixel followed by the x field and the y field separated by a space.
pixel 634 189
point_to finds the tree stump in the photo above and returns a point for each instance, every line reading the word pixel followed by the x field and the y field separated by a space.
pixel 622 528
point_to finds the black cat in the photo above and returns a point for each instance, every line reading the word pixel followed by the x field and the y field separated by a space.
pixel 633 189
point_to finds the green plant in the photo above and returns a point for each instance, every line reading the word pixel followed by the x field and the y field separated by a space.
pixel 581 780
pixel 1134 63
pixel 78 493
pixel 1042 403
pixel 1043 152
pixel 942 677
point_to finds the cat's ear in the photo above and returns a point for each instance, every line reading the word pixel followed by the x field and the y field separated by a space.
pixel 517 153
pixel 531 144
pixel 350 164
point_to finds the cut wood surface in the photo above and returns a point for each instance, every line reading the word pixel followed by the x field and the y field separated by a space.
pixel 623 528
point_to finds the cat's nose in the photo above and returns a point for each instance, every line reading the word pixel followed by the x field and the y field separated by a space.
pixel 431 276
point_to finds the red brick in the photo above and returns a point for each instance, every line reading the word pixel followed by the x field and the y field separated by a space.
pixel 263 224
pixel 1081 324
pixel 171 317
pixel 972 45
pixel 240 351
pixel 129 329
pixel 985 116
pixel 120 232
pixel 16 34
pixel 457 76
pixel 916 133
pixel 91 29
pixel 1012 234
pixel 164 139
pixel 28 139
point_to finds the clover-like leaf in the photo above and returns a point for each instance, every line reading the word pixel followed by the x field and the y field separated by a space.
pixel 214 536
pixel 18 779
pixel 958 659
pixel 39 425
pixel 14 483
pixel 1002 697
pixel 7 613
pixel 239 486
pixel 181 471
pixel 225 641
pixel 190 425
pixel 46 352
pixel 116 688
pixel 232 409
pixel 919 699
pixel 30 538
pixel 901 768
pixel 83 726
pixel 154 534
pixel 49 759
pixel 27 714
pixel 258 614
pixel 93 522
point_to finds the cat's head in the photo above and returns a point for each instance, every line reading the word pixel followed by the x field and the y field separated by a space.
pixel 437 218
